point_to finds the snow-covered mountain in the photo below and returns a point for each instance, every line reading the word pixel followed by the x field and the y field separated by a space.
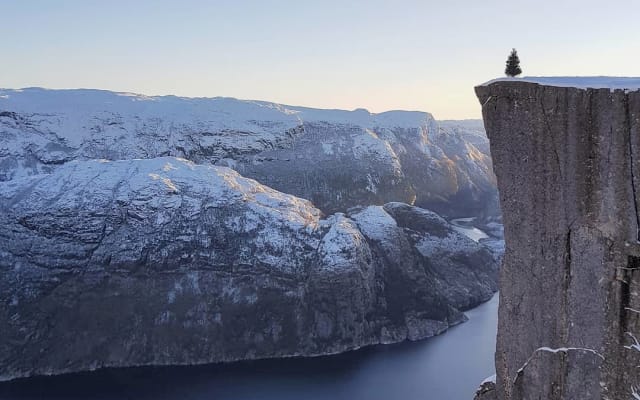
pixel 149 259
pixel 337 159
pixel 162 261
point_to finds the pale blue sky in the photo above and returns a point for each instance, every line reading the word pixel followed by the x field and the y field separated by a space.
pixel 380 55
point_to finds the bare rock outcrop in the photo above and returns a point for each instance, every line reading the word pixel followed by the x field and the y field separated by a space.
pixel 567 161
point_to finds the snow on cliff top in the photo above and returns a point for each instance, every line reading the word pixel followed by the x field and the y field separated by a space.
pixel 165 181
pixel 579 82
pixel 227 111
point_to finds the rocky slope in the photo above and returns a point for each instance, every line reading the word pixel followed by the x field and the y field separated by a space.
pixel 566 159
pixel 161 261
pixel 337 159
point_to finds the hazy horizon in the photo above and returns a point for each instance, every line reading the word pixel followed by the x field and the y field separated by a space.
pixel 409 55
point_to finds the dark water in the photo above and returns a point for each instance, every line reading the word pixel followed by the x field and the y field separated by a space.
pixel 446 367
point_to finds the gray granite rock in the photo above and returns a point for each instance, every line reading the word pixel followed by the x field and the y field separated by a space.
pixel 568 171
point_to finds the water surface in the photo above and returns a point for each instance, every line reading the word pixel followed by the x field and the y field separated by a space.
pixel 445 367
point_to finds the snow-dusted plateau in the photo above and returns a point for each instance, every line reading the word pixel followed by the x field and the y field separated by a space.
pixel 163 230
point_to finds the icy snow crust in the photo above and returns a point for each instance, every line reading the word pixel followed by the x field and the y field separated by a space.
pixel 578 82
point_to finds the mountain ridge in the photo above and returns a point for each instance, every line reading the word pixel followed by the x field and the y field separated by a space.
pixel 335 158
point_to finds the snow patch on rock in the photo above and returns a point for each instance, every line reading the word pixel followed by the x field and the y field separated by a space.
pixel 342 245
pixel 454 241
pixel 375 223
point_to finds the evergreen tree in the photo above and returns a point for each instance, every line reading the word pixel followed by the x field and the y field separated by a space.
pixel 513 64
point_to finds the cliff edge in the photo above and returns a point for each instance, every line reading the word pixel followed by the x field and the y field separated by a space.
pixel 566 154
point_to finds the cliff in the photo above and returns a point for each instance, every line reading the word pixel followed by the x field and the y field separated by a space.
pixel 566 154
pixel 161 261
pixel 336 159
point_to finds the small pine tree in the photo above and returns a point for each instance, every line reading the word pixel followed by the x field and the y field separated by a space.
pixel 513 64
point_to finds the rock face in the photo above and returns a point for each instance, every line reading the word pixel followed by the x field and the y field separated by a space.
pixel 161 261
pixel 337 159
pixel 568 171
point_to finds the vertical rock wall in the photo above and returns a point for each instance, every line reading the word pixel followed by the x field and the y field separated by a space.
pixel 567 161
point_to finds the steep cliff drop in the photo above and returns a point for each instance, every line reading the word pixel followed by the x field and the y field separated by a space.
pixel 566 154
pixel 162 261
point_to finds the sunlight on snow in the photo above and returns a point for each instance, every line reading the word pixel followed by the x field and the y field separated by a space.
pixel 168 183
